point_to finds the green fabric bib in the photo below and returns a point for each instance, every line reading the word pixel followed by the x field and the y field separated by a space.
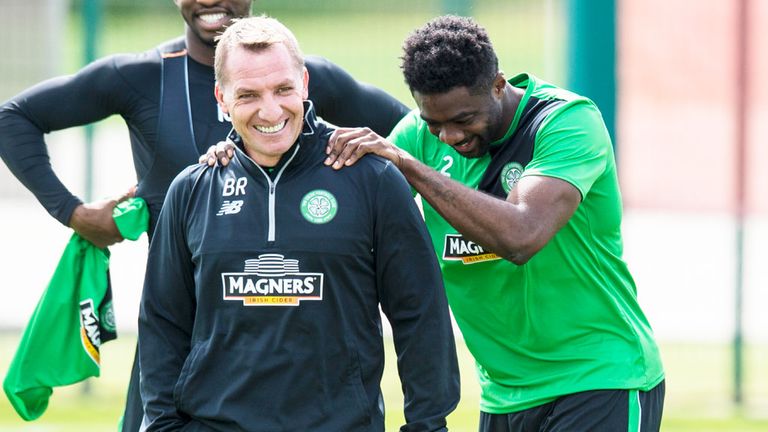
pixel 60 345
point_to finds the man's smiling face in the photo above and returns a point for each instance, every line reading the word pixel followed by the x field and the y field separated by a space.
pixel 263 91
pixel 207 19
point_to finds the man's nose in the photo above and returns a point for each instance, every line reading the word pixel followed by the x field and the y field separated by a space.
pixel 450 135
pixel 270 111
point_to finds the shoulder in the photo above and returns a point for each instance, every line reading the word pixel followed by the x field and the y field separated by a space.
pixel 149 60
pixel 577 114
pixel 115 65
pixel 560 99
pixel 315 63
pixel 377 172
pixel 322 69
pixel 130 64
pixel 171 46
pixel 142 70
pixel 189 179
pixel 134 73
pixel 375 163
pixel 560 109
pixel 137 68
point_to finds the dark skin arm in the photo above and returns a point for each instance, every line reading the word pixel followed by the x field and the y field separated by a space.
pixel 515 228
pixel 93 221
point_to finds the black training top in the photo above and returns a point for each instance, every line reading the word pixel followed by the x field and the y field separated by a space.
pixel 129 85
pixel 260 310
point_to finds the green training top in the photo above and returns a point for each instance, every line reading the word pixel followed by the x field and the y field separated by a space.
pixel 61 343
pixel 568 320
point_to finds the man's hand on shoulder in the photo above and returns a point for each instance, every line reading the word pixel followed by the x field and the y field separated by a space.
pixel 347 145
pixel 93 221
pixel 221 153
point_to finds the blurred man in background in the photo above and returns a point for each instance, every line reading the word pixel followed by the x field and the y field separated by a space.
pixel 165 95
pixel 524 209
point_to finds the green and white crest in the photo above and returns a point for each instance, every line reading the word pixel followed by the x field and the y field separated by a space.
pixel 107 317
pixel 318 206
pixel 510 175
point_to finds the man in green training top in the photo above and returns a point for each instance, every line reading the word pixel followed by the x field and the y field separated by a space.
pixel 524 209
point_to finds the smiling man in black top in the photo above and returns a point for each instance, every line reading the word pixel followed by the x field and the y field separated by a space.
pixel 260 309
pixel 165 95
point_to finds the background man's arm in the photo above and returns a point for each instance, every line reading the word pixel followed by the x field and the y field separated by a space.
pixel 57 104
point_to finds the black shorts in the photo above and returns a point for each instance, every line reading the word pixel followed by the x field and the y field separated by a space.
pixel 597 410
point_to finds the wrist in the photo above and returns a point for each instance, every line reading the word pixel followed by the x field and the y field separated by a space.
pixel 76 215
pixel 401 157
pixel 65 213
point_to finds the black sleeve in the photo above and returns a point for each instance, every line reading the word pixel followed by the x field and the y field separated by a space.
pixel 412 297
pixel 167 311
pixel 344 101
pixel 94 93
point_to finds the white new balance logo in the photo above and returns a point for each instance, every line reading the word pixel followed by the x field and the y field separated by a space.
pixel 230 207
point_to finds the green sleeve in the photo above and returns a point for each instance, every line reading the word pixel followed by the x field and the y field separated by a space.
pixel 573 145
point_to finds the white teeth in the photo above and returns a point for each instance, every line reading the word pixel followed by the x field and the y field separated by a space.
pixel 212 18
pixel 271 129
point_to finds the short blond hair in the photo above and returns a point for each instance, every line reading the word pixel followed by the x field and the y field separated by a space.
pixel 255 34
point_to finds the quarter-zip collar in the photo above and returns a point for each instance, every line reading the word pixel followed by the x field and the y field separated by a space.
pixel 300 153
pixel 312 131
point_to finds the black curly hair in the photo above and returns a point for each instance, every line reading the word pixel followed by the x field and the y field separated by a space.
pixel 448 52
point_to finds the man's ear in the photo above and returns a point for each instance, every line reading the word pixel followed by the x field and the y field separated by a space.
pixel 499 83
pixel 305 90
pixel 219 93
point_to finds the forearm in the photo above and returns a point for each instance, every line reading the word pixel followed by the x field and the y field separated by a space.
pixel 23 149
pixel 515 229
pixel 495 224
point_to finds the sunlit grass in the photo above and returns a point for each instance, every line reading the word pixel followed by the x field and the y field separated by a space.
pixel 698 392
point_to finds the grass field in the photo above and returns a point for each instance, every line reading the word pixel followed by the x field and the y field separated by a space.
pixel 697 392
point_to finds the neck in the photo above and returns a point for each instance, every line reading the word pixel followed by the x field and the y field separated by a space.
pixel 200 51
pixel 509 104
